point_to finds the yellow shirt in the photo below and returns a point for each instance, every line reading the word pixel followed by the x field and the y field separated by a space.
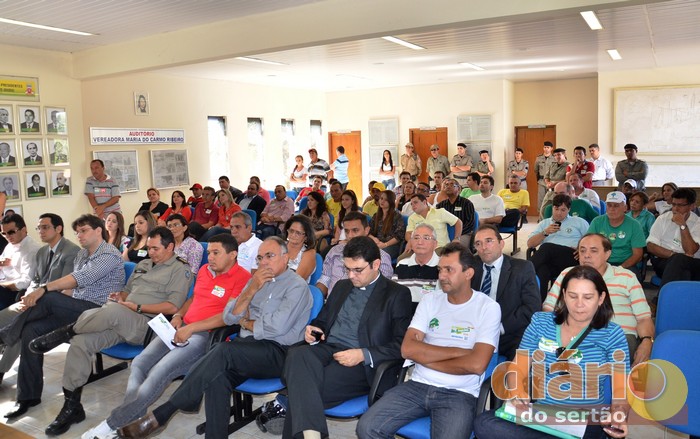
pixel 370 208
pixel 333 207
pixel 514 200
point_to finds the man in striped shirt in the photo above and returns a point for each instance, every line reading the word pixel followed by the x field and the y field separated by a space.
pixel 98 271
pixel 632 311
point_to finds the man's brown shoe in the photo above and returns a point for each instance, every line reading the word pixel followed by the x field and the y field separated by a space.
pixel 140 428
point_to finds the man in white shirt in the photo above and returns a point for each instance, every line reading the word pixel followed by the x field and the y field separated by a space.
pixel 419 272
pixel 248 243
pixel 16 259
pixel 490 208
pixel 583 193
pixel 453 329
pixel 604 171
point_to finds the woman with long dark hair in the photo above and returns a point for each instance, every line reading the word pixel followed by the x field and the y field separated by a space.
pixel 348 203
pixel 144 222
pixel 317 211
pixel 387 170
pixel 388 229
pixel 178 205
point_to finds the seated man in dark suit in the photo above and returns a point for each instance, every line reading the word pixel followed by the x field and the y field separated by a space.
pixel 510 282
pixel 251 200
pixel 361 325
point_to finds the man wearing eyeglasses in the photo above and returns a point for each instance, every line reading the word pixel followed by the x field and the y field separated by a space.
pixel 16 259
pixel 159 285
pixel 271 311
pixel 158 365
pixel 360 327
pixel 419 272
pixel 355 224
pixel 98 271
pixel 509 281
pixel 674 239
pixel 52 261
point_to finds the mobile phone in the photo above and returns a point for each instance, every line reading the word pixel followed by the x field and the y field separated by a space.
pixel 317 334
pixel 558 223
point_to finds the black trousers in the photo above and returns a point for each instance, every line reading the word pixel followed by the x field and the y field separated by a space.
pixel 220 371
pixel 681 267
pixel 549 261
pixel 315 381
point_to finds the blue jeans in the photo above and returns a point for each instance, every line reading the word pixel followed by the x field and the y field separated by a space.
pixel 487 425
pixel 151 373
pixel 451 412
pixel 390 184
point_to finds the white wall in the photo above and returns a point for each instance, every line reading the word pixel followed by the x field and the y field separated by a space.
pixel 427 105
pixel 56 88
pixel 184 103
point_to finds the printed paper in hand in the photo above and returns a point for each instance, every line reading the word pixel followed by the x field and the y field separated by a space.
pixel 163 329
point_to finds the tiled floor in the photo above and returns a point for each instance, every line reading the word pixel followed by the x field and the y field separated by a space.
pixel 100 397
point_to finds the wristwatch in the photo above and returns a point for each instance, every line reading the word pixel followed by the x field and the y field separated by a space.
pixel 651 339
pixel 138 309
pixel 683 227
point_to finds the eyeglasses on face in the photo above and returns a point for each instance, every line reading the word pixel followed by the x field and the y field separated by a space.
pixel 295 232
pixel 266 256
pixel 43 227
pixel 9 232
pixel 356 270
pixel 422 237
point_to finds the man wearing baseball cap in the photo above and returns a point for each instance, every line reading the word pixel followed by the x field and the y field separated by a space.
pixel 196 195
pixel 371 207
pixel 631 168
pixel 624 232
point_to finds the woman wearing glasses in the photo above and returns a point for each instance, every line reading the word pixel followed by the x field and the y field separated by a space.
pixel 577 336
pixel 186 247
pixel 388 229
pixel 301 245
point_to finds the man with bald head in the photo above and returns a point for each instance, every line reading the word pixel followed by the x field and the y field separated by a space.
pixel 579 208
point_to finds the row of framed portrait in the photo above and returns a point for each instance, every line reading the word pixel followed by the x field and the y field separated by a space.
pixel 34 186
pixel 30 120
pixel 34 152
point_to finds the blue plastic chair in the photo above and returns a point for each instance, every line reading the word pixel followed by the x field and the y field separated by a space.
pixel 316 275
pixel 242 409
pixel 476 221
pixel 682 349
pixel 292 194
pixel 451 232
pixel 603 207
pixel 420 428
pixel 272 194
pixel 121 351
pixel 205 255
pixel 678 307
pixel 513 231
pixel 302 203
pixel 253 217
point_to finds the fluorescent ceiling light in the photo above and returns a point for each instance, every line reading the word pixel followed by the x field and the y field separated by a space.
pixel 614 54
pixel 471 66
pixel 591 20
pixel 262 61
pixel 41 26
pixel 404 43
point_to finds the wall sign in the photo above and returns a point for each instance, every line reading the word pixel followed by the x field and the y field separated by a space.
pixel 136 136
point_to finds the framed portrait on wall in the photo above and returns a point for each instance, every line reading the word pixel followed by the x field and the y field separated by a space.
pixel 7 119
pixel 10 185
pixel 8 154
pixel 30 119
pixel 32 152
pixel 35 184
pixel 142 105
pixel 60 183
pixel 56 121
pixel 59 151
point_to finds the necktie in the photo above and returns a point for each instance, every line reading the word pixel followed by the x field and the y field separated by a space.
pixel 486 284
pixel 50 258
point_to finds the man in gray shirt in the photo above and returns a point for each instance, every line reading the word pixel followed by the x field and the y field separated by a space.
pixel 272 312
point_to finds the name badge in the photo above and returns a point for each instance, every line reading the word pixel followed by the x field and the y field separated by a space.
pixel 99 190
pixel 218 291
pixel 142 253
pixel 458 209
pixel 547 345
pixel 460 333
pixel 207 211
pixel 427 289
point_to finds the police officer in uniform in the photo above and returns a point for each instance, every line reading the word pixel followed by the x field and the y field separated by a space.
pixel 541 168
pixel 461 165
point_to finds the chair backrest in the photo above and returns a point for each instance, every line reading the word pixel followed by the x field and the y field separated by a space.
pixel 451 232
pixel 678 306
pixel 316 275
pixel 128 270
pixel 272 194
pixel 476 221
pixel 302 203
pixel 253 216
pixel 332 222
pixel 292 194
pixel 680 348
pixel 603 207
pixel 205 255
pixel 318 302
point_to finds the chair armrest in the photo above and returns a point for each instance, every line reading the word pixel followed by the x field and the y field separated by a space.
pixel 221 334
pixel 387 376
